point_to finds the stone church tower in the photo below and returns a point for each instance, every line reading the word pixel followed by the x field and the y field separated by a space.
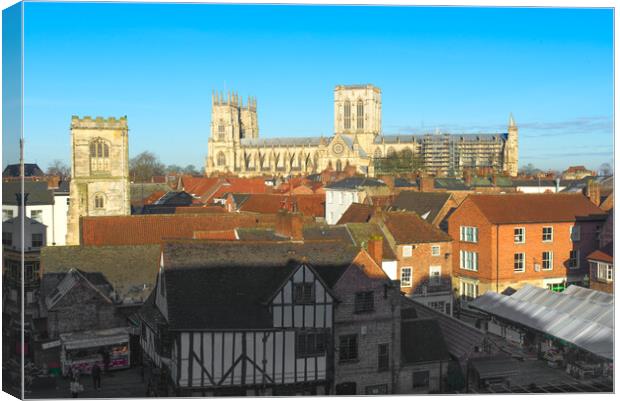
pixel 99 171
pixel 357 112
pixel 511 149
pixel 231 121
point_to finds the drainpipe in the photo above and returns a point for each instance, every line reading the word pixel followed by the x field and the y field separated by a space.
pixel 497 258
pixel 393 367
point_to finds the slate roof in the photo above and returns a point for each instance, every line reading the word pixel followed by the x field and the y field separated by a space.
pixel 152 229
pixel 605 254
pixel 461 338
pixel 38 192
pixel 422 341
pixel 292 141
pixel 535 208
pixel 451 184
pixel 355 182
pixel 131 270
pixel 215 284
pixel 30 170
pixel 409 228
pixel 175 198
pixel 363 232
pixel 422 203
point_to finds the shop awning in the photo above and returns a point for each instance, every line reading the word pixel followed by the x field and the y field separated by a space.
pixel 92 339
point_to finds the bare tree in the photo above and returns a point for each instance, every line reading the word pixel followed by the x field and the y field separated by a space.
pixel 59 168
pixel 190 169
pixel 144 166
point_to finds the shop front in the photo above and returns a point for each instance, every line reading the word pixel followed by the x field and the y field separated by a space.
pixel 80 351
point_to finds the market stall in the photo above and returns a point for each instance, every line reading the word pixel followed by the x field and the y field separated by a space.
pixel 80 351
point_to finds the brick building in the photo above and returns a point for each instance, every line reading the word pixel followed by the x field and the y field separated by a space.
pixel 506 241
pixel 601 264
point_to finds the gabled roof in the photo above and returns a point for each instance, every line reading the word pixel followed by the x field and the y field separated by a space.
pixel 175 198
pixel 533 208
pixel 355 182
pixel 38 193
pixel 409 228
pixel 357 213
pixel 198 186
pixel 605 254
pixel 153 228
pixel 130 269
pixel 226 284
pixel 309 205
pixel 425 204
pixel 69 281
pixel 363 232
pixel 30 170
pixel 422 341
pixel 240 185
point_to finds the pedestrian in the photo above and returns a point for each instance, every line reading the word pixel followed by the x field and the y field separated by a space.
pixel 76 388
pixel 96 373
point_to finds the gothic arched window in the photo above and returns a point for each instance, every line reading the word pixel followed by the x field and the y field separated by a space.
pixel 221 131
pixel 391 152
pixel 99 201
pixel 338 165
pixel 347 115
pixel 378 153
pixel 99 155
pixel 221 159
pixel 360 114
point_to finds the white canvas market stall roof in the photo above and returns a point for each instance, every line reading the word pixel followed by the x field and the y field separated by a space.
pixel 92 339
pixel 579 316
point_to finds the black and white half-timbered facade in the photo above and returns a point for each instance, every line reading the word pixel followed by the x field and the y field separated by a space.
pixel 229 318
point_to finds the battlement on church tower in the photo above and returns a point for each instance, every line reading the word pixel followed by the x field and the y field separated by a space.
pixel 232 99
pixel 99 122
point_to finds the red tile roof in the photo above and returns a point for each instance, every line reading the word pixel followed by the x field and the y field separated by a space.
pixel 200 209
pixel 241 186
pixel 151 229
pixel 534 208
pixel 152 198
pixel 605 254
pixel 309 205
pixel 199 186
pixel 357 213
pixel 409 228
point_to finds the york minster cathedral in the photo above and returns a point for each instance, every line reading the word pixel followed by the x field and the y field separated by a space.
pixel 235 146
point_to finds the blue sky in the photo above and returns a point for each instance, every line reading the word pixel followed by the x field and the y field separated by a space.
pixel 454 69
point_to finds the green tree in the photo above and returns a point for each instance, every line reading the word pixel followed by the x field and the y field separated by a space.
pixel 404 161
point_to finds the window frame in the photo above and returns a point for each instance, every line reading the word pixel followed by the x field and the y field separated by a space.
pixel 469 234
pixel 407 251
pixel 576 259
pixel 383 357
pixel 468 260
pixel 304 298
pixel 317 341
pixel 37 215
pixel 402 282
pixel 549 261
pixel 435 247
pixel 364 302
pixel 352 354
pixel 33 244
pixel 521 261
pixel 425 383
pixel 519 238
pixel 434 280
pixel 550 234
pixel 575 233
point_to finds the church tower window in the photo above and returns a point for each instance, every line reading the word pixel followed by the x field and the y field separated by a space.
pixel 99 201
pixel 221 159
pixel 99 155
pixel 221 131
pixel 360 114
pixel 347 115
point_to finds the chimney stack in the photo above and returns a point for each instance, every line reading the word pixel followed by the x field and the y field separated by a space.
pixel 290 225
pixel 375 249
pixel 427 184
pixel 593 192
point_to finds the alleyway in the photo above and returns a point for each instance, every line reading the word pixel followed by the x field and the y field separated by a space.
pixel 116 384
